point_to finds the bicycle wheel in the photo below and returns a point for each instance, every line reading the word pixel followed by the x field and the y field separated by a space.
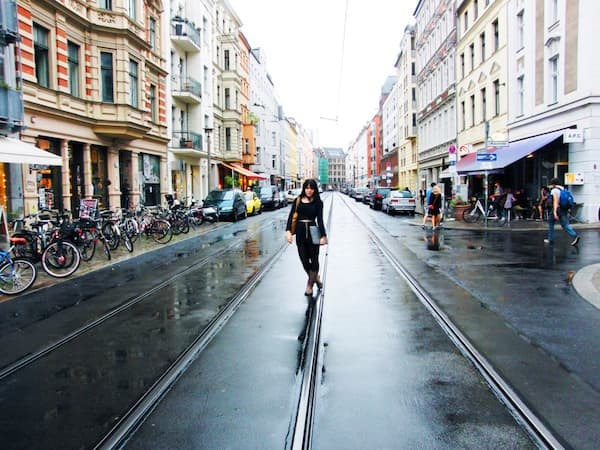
pixel 127 242
pixel 161 231
pixel 111 233
pixel 16 277
pixel 131 227
pixel 61 259
pixel 471 215
pixel 106 247
pixel 88 246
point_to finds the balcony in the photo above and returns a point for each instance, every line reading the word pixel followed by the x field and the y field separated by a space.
pixel 11 109
pixel 186 90
pixel 184 35
pixel 186 143
pixel 9 28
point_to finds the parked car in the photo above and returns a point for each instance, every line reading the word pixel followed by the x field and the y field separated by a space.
pixel 367 197
pixel 359 194
pixel 230 203
pixel 253 204
pixel 399 201
pixel 282 199
pixel 292 194
pixel 269 196
pixel 378 195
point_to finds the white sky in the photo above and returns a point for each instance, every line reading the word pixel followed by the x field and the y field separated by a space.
pixel 302 42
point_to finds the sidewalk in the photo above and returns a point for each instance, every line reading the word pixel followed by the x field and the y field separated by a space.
pixel 586 281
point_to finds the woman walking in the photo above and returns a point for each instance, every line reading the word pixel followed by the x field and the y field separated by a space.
pixel 309 207
pixel 435 206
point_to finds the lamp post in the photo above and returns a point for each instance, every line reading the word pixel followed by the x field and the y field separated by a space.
pixel 208 130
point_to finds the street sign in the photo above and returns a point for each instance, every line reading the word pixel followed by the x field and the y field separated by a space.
pixel 498 143
pixel 486 157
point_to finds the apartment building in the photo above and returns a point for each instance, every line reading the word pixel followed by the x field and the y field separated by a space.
pixel 190 31
pixel 554 94
pixel 481 85
pixel 94 92
pixel 435 45
pixel 400 129
pixel 269 118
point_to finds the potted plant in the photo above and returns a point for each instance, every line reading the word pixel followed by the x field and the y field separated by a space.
pixel 459 206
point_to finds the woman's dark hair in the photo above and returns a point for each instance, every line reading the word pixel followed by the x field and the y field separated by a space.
pixel 313 184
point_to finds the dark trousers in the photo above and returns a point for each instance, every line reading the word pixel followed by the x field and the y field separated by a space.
pixel 307 251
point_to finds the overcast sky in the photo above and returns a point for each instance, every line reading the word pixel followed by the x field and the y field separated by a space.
pixel 318 75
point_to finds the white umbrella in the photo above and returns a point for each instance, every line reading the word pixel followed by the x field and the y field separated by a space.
pixel 19 152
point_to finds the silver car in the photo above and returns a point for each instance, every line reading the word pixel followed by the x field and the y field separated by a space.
pixel 399 201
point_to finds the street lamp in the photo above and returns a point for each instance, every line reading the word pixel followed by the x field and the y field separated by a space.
pixel 208 130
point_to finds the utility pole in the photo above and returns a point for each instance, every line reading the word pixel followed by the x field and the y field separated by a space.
pixel 208 130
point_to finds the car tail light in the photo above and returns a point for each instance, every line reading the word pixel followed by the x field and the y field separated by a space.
pixel 411 200
pixel 377 196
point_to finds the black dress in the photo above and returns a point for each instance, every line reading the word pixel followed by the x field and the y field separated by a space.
pixel 308 214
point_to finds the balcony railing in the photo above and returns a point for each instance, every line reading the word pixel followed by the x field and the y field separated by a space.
pixel 186 139
pixel 186 89
pixel 185 35
pixel 8 21
pixel 11 108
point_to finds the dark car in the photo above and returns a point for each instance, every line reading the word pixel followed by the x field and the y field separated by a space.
pixel 376 199
pixel 230 203
pixel 269 196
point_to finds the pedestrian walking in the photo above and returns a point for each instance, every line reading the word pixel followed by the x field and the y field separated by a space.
pixel 426 214
pixel 306 211
pixel 559 214
pixel 434 206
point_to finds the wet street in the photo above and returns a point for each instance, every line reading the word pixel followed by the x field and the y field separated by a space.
pixel 391 373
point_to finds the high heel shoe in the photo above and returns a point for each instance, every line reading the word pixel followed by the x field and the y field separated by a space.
pixel 319 284
pixel 308 293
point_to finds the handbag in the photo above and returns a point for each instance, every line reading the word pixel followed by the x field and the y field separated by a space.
pixel 315 234
pixel 295 216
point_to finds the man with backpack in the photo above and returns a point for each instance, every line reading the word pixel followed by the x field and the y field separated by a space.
pixel 562 201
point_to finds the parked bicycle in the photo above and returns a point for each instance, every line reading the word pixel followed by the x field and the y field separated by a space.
pixel 477 213
pixel 48 242
pixel 16 274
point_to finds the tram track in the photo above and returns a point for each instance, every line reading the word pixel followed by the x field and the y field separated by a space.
pixel 541 435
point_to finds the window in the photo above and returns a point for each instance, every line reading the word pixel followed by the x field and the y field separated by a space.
pixel 472 110
pixel 553 73
pixel 132 9
pixel 462 65
pixel 227 98
pixel 482 41
pixel 226 57
pixel 133 83
pixel 521 95
pixel 496 97
pixel 553 11
pixel 472 52
pixel 520 30
pixel 73 59
pixel 483 105
pixel 152 33
pixel 228 139
pixel 475 9
pixel 496 35
pixel 106 74
pixel 40 50
pixel 466 21
pixel 463 120
pixel 153 105
pixel 105 4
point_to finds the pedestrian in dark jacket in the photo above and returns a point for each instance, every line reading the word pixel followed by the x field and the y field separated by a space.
pixel 434 206
pixel 309 207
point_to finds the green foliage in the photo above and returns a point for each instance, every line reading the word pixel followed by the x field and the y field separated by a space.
pixel 456 201
pixel 231 182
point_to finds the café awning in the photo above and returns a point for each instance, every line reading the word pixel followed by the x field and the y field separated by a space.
pixel 243 171
pixel 505 156
pixel 19 152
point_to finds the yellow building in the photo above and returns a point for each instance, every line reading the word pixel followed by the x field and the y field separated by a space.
pixel 94 93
